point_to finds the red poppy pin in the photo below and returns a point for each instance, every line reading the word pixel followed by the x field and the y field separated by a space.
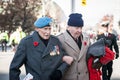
pixel 85 43
pixel 35 43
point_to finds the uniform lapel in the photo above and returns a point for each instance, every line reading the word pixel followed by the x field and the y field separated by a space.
pixel 85 44
pixel 50 47
pixel 103 35
pixel 69 40
pixel 41 45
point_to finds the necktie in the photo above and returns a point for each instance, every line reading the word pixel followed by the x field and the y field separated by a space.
pixel 106 34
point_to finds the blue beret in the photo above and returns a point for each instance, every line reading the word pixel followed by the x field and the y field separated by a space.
pixel 75 19
pixel 42 22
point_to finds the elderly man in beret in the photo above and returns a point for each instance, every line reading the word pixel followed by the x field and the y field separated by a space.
pixel 75 43
pixel 41 53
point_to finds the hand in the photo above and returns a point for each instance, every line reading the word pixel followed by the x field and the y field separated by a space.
pixel 68 59
pixel 96 64
pixel 117 55
pixel 56 75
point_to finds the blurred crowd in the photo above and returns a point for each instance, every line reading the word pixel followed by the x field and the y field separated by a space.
pixel 107 20
pixel 12 40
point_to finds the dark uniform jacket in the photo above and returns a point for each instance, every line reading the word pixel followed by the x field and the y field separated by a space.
pixel 39 60
pixel 112 39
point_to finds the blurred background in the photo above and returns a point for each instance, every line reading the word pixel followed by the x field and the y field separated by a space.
pixel 17 18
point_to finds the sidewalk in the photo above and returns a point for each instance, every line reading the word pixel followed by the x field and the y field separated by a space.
pixel 5 60
pixel 116 69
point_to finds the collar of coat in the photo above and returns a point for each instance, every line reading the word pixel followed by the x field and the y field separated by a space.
pixel 41 47
pixel 70 41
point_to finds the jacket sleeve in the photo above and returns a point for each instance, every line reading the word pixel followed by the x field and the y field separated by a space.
pixel 98 37
pixel 115 45
pixel 17 62
pixel 63 66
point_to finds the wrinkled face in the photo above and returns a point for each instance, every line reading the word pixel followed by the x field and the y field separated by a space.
pixel 75 31
pixel 44 32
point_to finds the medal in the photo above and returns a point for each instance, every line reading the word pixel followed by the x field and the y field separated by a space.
pixel 55 51
pixel 52 53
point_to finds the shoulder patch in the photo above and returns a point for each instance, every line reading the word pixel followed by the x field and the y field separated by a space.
pixel 27 37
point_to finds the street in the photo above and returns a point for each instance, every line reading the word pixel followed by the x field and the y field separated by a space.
pixel 6 57
pixel 5 60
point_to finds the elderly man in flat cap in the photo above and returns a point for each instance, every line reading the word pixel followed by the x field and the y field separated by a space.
pixel 41 53
pixel 75 43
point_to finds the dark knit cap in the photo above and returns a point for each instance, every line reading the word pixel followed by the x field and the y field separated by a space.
pixel 75 19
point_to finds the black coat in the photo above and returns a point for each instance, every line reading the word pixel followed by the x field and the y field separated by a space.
pixel 37 59
pixel 112 39
pixel 97 49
